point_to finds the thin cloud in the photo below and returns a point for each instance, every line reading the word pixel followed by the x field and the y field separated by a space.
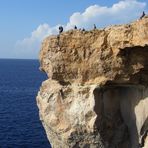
pixel 29 47
pixel 102 16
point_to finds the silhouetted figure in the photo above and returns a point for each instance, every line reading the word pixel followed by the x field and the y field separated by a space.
pixel 60 29
pixel 143 14
pixel 83 29
pixel 75 27
pixel 95 27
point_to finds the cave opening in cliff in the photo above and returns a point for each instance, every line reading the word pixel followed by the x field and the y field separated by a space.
pixel 119 117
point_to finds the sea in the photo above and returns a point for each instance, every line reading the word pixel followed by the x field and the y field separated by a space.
pixel 20 126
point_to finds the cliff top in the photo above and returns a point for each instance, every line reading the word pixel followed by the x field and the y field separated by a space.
pixel 117 53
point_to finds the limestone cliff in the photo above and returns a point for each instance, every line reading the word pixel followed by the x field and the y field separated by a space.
pixel 96 94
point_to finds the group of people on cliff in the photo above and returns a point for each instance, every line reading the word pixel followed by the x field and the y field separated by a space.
pixel 75 28
pixel 94 27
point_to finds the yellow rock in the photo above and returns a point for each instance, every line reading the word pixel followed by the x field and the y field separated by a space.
pixel 97 86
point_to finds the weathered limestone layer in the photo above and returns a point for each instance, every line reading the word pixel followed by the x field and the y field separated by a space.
pixel 96 94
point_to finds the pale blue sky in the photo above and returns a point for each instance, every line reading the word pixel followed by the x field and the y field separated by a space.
pixel 19 18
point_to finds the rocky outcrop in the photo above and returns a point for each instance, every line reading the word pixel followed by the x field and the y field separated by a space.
pixel 96 94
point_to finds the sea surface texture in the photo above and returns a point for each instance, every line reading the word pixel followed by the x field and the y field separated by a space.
pixel 20 126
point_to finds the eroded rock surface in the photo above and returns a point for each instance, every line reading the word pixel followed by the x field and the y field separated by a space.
pixel 96 95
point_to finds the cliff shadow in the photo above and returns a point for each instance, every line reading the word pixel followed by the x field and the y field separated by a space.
pixel 117 121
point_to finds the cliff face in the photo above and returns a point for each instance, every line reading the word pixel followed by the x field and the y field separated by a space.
pixel 96 94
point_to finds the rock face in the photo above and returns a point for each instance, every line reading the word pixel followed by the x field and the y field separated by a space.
pixel 96 95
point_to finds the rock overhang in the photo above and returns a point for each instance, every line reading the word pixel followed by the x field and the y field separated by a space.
pixel 78 56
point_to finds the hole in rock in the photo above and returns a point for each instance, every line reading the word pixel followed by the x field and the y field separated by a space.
pixel 120 114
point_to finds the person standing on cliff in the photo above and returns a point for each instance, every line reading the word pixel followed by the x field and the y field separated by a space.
pixel 95 27
pixel 143 14
pixel 75 27
pixel 60 29
pixel 58 37
pixel 83 29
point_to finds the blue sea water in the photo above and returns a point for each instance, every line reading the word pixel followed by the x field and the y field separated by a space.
pixel 19 120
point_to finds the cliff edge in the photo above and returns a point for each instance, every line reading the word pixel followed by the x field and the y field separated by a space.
pixel 96 95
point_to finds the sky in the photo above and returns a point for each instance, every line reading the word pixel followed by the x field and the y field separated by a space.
pixel 25 23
